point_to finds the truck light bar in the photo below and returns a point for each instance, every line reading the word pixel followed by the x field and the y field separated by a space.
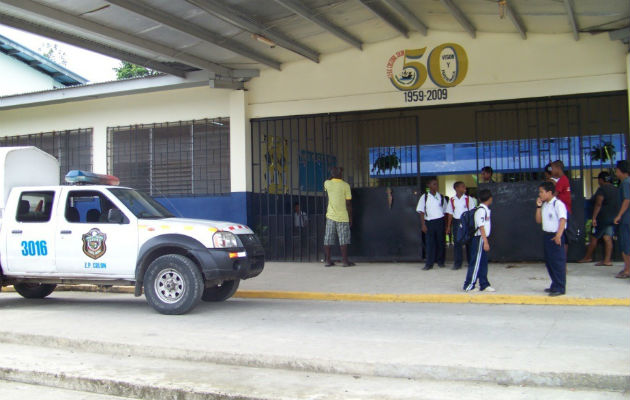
pixel 76 177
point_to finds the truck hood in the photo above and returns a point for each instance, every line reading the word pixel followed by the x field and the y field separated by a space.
pixel 189 224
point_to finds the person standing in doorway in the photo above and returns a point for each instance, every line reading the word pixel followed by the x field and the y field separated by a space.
pixel 457 205
pixel 605 207
pixel 563 186
pixel 486 174
pixel 623 217
pixel 300 228
pixel 552 214
pixel 480 246
pixel 338 216
pixel 432 207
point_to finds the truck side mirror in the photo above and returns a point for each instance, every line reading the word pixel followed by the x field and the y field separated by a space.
pixel 115 216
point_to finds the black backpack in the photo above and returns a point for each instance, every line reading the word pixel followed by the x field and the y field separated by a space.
pixel 466 228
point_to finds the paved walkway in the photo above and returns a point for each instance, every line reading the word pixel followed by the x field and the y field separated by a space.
pixel 515 284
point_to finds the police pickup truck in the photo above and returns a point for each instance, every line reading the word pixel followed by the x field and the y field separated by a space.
pixel 95 232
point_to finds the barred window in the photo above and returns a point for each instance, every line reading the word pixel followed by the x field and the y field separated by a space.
pixel 174 158
pixel 73 148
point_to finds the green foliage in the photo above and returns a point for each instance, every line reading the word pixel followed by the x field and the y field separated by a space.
pixel 605 152
pixel 128 70
pixel 386 162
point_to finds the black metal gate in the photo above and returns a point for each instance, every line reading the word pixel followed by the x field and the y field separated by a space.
pixel 385 155
pixel 291 160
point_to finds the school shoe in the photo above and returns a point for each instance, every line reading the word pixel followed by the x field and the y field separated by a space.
pixel 556 294
pixel 548 290
pixel 441 265
pixel 426 268
pixel 475 289
pixel 489 289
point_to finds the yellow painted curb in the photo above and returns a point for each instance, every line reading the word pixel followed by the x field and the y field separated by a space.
pixel 473 298
pixel 435 298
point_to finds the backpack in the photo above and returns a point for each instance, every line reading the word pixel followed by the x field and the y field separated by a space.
pixel 466 228
pixel 571 228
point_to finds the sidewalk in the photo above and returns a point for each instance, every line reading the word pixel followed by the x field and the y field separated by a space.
pixel 523 283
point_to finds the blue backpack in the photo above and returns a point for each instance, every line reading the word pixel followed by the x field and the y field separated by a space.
pixel 466 228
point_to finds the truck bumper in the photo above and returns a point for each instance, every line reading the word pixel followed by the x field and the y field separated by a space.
pixel 244 262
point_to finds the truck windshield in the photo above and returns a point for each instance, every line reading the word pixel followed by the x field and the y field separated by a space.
pixel 140 204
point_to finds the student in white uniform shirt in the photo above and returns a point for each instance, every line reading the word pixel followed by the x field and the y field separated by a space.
pixel 552 214
pixel 480 246
pixel 432 207
pixel 458 204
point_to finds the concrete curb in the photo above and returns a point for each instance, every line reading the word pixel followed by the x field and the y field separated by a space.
pixel 113 387
pixel 473 298
pixel 386 370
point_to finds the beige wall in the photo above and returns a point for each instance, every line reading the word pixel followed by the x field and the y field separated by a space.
pixel 174 105
pixel 501 66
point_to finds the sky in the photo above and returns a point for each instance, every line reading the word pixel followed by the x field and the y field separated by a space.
pixel 92 66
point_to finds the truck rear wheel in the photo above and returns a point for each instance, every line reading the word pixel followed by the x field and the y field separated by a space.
pixel 221 292
pixel 34 290
pixel 173 284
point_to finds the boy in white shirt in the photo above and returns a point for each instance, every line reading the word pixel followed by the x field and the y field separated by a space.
pixel 457 205
pixel 552 214
pixel 480 246
pixel 431 207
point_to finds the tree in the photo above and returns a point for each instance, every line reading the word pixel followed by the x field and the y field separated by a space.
pixel 53 53
pixel 128 70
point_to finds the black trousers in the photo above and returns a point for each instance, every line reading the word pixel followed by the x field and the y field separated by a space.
pixel 458 248
pixel 436 242
pixel 556 262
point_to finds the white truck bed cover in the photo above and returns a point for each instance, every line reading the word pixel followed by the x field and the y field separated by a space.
pixel 26 166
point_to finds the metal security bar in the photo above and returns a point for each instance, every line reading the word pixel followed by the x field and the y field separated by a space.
pixel 73 148
pixel 173 158
pixel 388 155
pixel 292 157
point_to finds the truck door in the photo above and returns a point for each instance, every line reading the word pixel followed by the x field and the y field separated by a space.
pixel 30 233
pixel 91 241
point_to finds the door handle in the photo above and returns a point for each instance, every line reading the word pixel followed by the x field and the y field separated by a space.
pixel 16 232
pixel 65 232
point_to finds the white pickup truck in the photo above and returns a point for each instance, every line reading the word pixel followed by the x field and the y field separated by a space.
pixel 104 234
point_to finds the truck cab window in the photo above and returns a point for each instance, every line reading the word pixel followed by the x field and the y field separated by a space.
pixel 88 207
pixel 35 206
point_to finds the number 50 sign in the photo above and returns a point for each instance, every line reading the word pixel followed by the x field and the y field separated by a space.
pixel 446 66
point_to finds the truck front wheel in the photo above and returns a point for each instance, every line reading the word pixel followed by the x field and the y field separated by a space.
pixel 34 290
pixel 221 292
pixel 173 284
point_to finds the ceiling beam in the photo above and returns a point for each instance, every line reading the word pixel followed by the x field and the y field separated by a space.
pixel 407 15
pixel 387 18
pixel 196 31
pixel 88 44
pixel 620 34
pixel 115 34
pixel 308 14
pixel 460 17
pixel 568 5
pixel 516 20
pixel 234 17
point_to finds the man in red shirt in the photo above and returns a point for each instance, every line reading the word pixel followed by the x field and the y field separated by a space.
pixel 563 187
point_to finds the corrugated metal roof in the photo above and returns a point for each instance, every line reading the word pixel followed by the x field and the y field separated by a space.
pixel 232 37
pixel 40 63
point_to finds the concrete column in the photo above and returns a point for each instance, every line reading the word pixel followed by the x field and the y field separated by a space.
pixel 99 149
pixel 240 143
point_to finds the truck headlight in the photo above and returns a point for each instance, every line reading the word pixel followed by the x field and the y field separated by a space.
pixel 224 240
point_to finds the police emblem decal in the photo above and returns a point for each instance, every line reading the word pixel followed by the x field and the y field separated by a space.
pixel 94 243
